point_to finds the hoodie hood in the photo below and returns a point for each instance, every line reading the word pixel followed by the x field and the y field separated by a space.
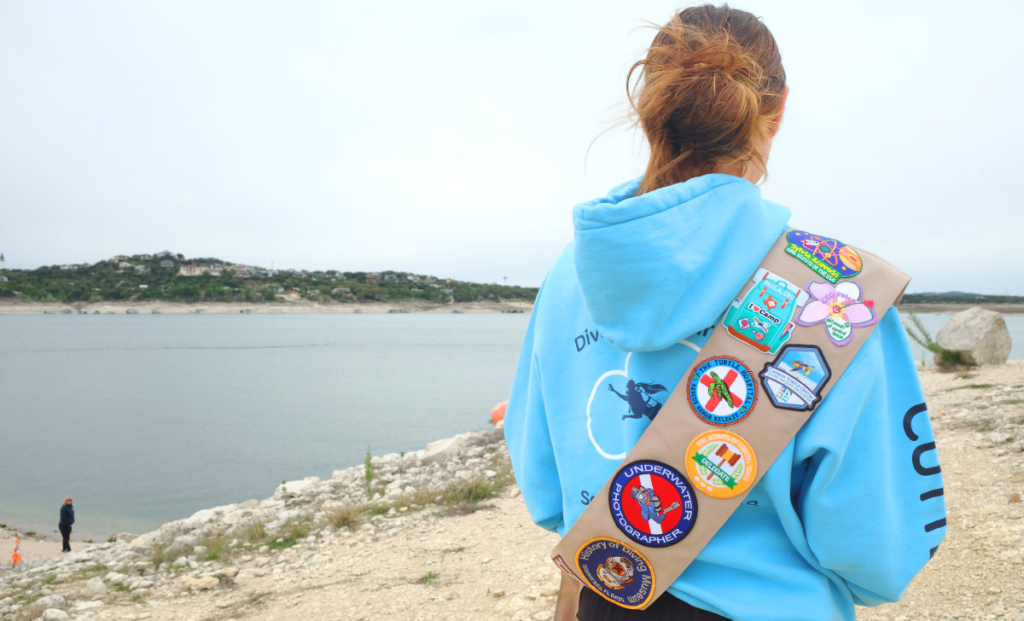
pixel 656 268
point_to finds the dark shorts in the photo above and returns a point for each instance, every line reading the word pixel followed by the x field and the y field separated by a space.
pixel 593 607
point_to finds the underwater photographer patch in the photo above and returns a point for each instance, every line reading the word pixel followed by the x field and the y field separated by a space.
pixel 722 391
pixel 652 503
pixel 616 572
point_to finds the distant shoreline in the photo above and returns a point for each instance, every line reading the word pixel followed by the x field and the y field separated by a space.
pixel 952 309
pixel 276 308
pixel 339 308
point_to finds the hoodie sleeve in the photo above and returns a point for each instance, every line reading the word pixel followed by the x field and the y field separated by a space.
pixel 872 501
pixel 529 439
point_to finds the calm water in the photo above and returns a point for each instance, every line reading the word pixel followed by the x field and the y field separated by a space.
pixel 934 323
pixel 149 418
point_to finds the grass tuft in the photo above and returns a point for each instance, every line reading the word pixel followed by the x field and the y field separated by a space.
pixel 345 516
pixel 428 578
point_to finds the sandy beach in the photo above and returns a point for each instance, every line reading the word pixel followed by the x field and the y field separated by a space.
pixel 276 308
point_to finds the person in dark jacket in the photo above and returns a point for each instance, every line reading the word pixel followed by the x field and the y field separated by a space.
pixel 67 518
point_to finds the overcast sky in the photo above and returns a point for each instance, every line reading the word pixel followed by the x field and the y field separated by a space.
pixel 450 137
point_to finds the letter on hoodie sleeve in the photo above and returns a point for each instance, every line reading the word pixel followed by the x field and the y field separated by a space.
pixel 872 503
pixel 529 440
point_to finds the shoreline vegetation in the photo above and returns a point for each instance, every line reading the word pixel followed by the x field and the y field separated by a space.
pixel 19 307
pixel 171 278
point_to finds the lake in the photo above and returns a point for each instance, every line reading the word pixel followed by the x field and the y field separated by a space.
pixel 148 418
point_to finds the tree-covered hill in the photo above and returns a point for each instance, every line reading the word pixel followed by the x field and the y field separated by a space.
pixel 959 297
pixel 164 278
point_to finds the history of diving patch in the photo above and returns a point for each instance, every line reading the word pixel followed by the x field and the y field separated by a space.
pixel 830 258
pixel 763 319
pixel 722 391
pixel 795 379
pixel 652 503
pixel 616 572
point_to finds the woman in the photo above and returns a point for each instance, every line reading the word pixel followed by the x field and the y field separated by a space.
pixel 67 519
pixel 836 521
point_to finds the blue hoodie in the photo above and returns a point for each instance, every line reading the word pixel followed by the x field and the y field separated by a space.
pixel 851 510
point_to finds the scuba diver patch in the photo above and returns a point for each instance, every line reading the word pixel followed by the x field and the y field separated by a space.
pixel 763 318
pixel 616 572
pixel 794 380
pixel 829 258
pixel 722 391
pixel 721 464
pixel 652 503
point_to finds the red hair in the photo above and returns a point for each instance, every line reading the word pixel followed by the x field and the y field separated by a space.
pixel 708 94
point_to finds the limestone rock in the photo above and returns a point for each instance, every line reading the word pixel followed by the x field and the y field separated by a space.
pixel 199 584
pixel 979 335
pixel 52 614
pixel 94 588
pixel 115 578
pixel 50 601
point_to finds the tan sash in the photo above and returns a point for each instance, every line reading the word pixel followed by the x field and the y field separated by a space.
pixel 714 440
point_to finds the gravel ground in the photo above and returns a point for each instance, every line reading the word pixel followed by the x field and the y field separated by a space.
pixel 492 564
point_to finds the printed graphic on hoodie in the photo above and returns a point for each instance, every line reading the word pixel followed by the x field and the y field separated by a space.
pixel 839 308
pixel 763 318
pixel 830 258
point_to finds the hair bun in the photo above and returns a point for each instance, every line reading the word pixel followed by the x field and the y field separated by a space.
pixel 708 91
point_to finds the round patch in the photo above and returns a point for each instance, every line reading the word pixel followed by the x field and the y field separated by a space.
pixel 652 503
pixel 617 572
pixel 722 391
pixel 721 464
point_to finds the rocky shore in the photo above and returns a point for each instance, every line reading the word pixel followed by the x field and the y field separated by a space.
pixel 443 534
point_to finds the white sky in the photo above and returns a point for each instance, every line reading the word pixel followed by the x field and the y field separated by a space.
pixel 451 137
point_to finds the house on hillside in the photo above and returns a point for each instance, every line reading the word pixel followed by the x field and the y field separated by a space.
pixel 166 263
pixel 165 253
pixel 124 266
pixel 413 278
pixel 190 270
pixel 146 257
pixel 390 277
pixel 373 277
pixel 3 279
pixel 118 257
pixel 337 290
pixel 141 269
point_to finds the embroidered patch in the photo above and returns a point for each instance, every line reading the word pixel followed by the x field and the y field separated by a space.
pixel 763 318
pixel 795 379
pixel 722 391
pixel 721 464
pixel 839 308
pixel 561 564
pixel 652 503
pixel 830 258
pixel 616 572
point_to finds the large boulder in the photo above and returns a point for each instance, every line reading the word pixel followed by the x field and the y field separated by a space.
pixel 978 335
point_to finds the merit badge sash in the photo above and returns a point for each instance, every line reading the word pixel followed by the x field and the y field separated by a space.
pixel 784 342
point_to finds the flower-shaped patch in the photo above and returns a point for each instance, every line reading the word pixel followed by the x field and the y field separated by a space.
pixel 839 308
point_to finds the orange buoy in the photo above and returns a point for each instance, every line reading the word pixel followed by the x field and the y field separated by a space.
pixel 498 413
pixel 16 557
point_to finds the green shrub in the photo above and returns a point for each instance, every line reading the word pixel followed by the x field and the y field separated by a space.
pixel 946 358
